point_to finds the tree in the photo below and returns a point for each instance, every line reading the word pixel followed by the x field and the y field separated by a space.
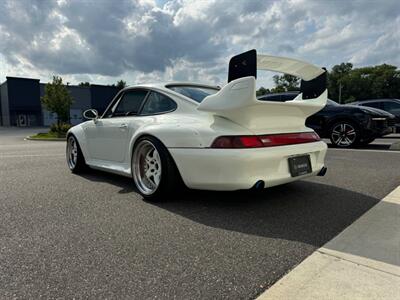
pixel 57 99
pixel 337 80
pixel 262 91
pixel 381 81
pixel 121 84
pixel 86 83
pixel 285 83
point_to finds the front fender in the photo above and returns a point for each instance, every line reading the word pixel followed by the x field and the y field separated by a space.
pixel 79 133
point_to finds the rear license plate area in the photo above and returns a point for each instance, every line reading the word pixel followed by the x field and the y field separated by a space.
pixel 299 165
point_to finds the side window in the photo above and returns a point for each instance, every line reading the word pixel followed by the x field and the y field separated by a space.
pixel 392 107
pixel 157 103
pixel 271 98
pixel 129 104
pixel 373 104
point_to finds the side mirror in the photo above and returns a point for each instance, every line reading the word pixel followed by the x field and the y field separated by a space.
pixel 91 114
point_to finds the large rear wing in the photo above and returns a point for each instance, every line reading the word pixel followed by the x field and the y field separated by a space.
pixel 313 78
pixel 237 100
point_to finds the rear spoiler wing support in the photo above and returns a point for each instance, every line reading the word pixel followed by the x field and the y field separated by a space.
pixel 313 78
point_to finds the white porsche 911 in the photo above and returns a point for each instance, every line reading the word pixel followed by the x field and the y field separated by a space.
pixel 206 137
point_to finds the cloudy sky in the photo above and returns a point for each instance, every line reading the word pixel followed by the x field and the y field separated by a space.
pixel 102 41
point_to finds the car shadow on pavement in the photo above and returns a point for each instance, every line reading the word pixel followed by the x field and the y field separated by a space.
pixel 303 211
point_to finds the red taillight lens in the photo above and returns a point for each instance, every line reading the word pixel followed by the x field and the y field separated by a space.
pixel 289 139
pixel 237 142
pixel 256 141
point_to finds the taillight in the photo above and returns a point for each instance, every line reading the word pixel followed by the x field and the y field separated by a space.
pixel 270 140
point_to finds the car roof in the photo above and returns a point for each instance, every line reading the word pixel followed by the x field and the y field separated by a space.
pixel 165 85
pixel 374 100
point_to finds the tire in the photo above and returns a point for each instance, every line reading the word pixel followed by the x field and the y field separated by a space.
pixel 344 134
pixel 75 160
pixel 153 170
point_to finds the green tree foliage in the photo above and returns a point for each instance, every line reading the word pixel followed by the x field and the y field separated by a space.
pixel 262 91
pixel 86 83
pixel 381 81
pixel 335 80
pixel 57 99
pixel 121 84
pixel 285 83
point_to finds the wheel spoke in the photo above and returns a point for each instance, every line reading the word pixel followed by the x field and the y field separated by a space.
pixel 147 170
pixel 157 178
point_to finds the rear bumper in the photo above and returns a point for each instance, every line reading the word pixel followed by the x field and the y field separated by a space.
pixel 378 128
pixel 235 169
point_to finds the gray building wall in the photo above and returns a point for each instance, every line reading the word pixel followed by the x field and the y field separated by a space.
pixel 5 109
pixel 20 102
pixel 82 102
pixel 24 101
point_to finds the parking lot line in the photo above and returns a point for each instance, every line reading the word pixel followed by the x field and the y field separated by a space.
pixel 365 150
pixel 30 155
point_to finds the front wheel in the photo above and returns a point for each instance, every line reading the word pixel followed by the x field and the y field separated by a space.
pixel 153 170
pixel 75 160
pixel 344 134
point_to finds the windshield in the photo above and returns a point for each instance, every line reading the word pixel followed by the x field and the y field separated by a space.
pixel 197 93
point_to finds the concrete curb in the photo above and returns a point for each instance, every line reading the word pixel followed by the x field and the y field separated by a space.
pixel 362 262
pixel 51 139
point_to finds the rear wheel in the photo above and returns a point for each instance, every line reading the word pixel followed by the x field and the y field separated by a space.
pixel 153 170
pixel 75 160
pixel 344 134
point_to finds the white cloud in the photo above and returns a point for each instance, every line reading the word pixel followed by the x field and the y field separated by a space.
pixel 151 40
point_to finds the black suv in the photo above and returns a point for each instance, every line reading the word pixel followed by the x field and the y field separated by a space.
pixel 390 105
pixel 345 125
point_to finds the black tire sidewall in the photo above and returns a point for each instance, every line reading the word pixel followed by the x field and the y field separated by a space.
pixel 169 174
pixel 80 162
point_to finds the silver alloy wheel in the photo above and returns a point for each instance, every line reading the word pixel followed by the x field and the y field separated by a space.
pixel 343 134
pixel 146 166
pixel 72 152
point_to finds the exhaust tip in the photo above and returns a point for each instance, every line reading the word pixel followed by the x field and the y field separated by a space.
pixel 322 172
pixel 259 185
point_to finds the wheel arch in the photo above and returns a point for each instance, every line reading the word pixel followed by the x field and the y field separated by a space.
pixel 79 134
pixel 146 134
pixel 331 122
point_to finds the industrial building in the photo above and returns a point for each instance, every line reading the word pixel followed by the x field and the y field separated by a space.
pixel 20 103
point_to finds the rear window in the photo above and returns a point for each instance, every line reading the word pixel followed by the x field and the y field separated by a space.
pixel 372 104
pixel 197 93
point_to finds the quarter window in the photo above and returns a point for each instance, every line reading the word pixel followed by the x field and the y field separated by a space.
pixel 130 103
pixel 157 103
pixel 197 93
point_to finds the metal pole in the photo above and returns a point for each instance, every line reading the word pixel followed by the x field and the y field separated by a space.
pixel 340 93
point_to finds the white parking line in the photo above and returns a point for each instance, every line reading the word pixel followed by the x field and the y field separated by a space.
pixel 366 150
pixel 30 155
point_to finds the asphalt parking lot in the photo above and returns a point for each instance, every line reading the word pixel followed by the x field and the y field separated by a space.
pixel 92 236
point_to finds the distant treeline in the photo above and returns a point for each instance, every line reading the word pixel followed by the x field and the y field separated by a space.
pixel 347 84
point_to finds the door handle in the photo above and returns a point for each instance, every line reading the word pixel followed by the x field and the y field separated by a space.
pixel 123 126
